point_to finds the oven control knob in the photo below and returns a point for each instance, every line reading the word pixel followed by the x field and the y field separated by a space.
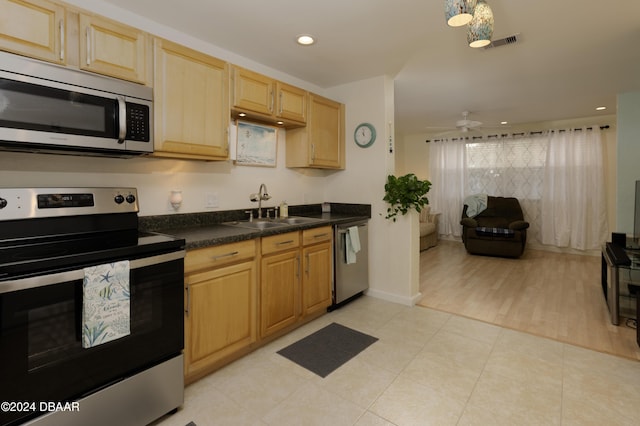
pixel 3 203
pixel 119 199
pixel 131 199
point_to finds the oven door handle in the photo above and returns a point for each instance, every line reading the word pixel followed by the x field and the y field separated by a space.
pixel 78 274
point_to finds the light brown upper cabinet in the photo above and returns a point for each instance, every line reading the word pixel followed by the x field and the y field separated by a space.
pixel 113 49
pixel 321 143
pixel 191 102
pixel 262 98
pixel 49 31
pixel 34 28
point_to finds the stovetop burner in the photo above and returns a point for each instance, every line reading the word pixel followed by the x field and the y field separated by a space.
pixel 46 229
pixel 31 259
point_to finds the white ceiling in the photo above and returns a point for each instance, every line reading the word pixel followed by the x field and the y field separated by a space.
pixel 572 55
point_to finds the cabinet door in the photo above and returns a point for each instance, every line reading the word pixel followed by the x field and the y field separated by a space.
pixel 279 291
pixel 113 49
pixel 316 279
pixel 191 104
pixel 291 102
pixel 34 28
pixel 253 91
pixel 326 129
pixel 220 315
pixel 321 143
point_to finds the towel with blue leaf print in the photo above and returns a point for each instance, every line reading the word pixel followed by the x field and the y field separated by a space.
pixel 106 307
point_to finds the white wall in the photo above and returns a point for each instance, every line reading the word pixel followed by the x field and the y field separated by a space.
pixel 155 178
pixel 393 247
pixel 628 159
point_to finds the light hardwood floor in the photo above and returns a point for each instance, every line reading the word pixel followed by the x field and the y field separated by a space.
pixel 548 294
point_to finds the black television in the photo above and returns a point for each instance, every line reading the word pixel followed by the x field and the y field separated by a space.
pixel 635 243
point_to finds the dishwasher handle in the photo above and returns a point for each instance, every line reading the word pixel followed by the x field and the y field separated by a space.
pixel 345 230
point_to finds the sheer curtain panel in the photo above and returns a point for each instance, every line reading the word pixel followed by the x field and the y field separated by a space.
pixel 447 163
pixel 574 210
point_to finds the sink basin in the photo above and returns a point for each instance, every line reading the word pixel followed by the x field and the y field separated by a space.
pixel 273 223
pixel 297 220
pixel 256 224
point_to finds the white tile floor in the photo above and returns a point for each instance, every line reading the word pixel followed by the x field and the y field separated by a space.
pixel 427 368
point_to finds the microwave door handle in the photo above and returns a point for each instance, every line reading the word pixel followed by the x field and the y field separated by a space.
pixel 122 119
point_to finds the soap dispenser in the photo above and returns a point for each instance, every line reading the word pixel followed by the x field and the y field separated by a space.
pixel 284 209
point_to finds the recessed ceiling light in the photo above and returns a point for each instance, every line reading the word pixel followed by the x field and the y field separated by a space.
pixel 504 122
pixel 601 108
pixel 305 39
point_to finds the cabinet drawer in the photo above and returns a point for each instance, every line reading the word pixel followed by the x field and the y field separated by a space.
pixel 280 242
pixel 316 235
pixel 215 256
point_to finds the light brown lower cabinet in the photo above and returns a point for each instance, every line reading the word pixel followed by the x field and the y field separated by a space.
pixel 317 271
pixel 239 296
pixel 220 306
pixel 279 282
pixel 296 278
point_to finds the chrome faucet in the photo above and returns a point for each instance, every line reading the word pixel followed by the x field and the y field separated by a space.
pixel 262 195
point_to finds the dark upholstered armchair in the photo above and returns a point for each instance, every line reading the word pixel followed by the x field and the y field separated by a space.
pixel 498 230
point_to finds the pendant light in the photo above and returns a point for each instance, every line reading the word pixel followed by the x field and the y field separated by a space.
pixel 481 26
pixel 458 12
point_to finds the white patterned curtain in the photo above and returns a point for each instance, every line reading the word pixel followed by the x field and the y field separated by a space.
pixel 573 199
pixel 447 163
pixel 558 177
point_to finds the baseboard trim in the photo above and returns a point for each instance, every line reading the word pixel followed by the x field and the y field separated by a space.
pixel 390 297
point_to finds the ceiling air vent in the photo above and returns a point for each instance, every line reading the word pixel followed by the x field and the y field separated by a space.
pixel 504 41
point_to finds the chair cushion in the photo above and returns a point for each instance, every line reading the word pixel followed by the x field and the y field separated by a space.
pixel 424 214
pixel 427 228
pixel 495 232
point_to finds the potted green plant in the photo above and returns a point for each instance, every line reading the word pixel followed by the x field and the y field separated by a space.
pixel 405 193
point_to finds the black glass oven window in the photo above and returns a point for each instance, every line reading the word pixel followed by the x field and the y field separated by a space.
pixel 41 354
pixel 52 333
pixel 32 107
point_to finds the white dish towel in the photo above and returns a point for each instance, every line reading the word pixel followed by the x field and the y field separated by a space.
pixel 106 306
pixel 352 244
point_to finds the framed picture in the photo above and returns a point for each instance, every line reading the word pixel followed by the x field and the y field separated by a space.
pixel 256 144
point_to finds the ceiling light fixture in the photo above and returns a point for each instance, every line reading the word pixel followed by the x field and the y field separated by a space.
pixel 601 108
pixel 481 26
pixel 459 12
pixel 305 39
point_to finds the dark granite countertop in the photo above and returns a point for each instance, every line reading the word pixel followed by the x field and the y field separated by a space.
pixel 209 229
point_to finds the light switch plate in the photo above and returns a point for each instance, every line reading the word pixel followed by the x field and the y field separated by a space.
pixel 211 201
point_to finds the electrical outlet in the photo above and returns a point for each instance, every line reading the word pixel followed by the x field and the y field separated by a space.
pixel 211 200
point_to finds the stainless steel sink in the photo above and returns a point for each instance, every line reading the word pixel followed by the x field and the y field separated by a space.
pixel 257 224
pixel 297 220
pixel 273 223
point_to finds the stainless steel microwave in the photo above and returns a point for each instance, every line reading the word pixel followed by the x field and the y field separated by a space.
pixel 51 108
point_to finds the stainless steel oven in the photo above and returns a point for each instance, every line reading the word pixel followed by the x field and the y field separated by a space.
pixel 49 239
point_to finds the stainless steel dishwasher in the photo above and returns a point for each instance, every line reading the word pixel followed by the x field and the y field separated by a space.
pixel 351 277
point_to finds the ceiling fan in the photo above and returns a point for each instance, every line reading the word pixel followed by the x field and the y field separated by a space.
pixel 462 126
pixel 465 124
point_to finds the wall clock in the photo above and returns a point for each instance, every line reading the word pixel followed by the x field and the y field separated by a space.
pixel 365 135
